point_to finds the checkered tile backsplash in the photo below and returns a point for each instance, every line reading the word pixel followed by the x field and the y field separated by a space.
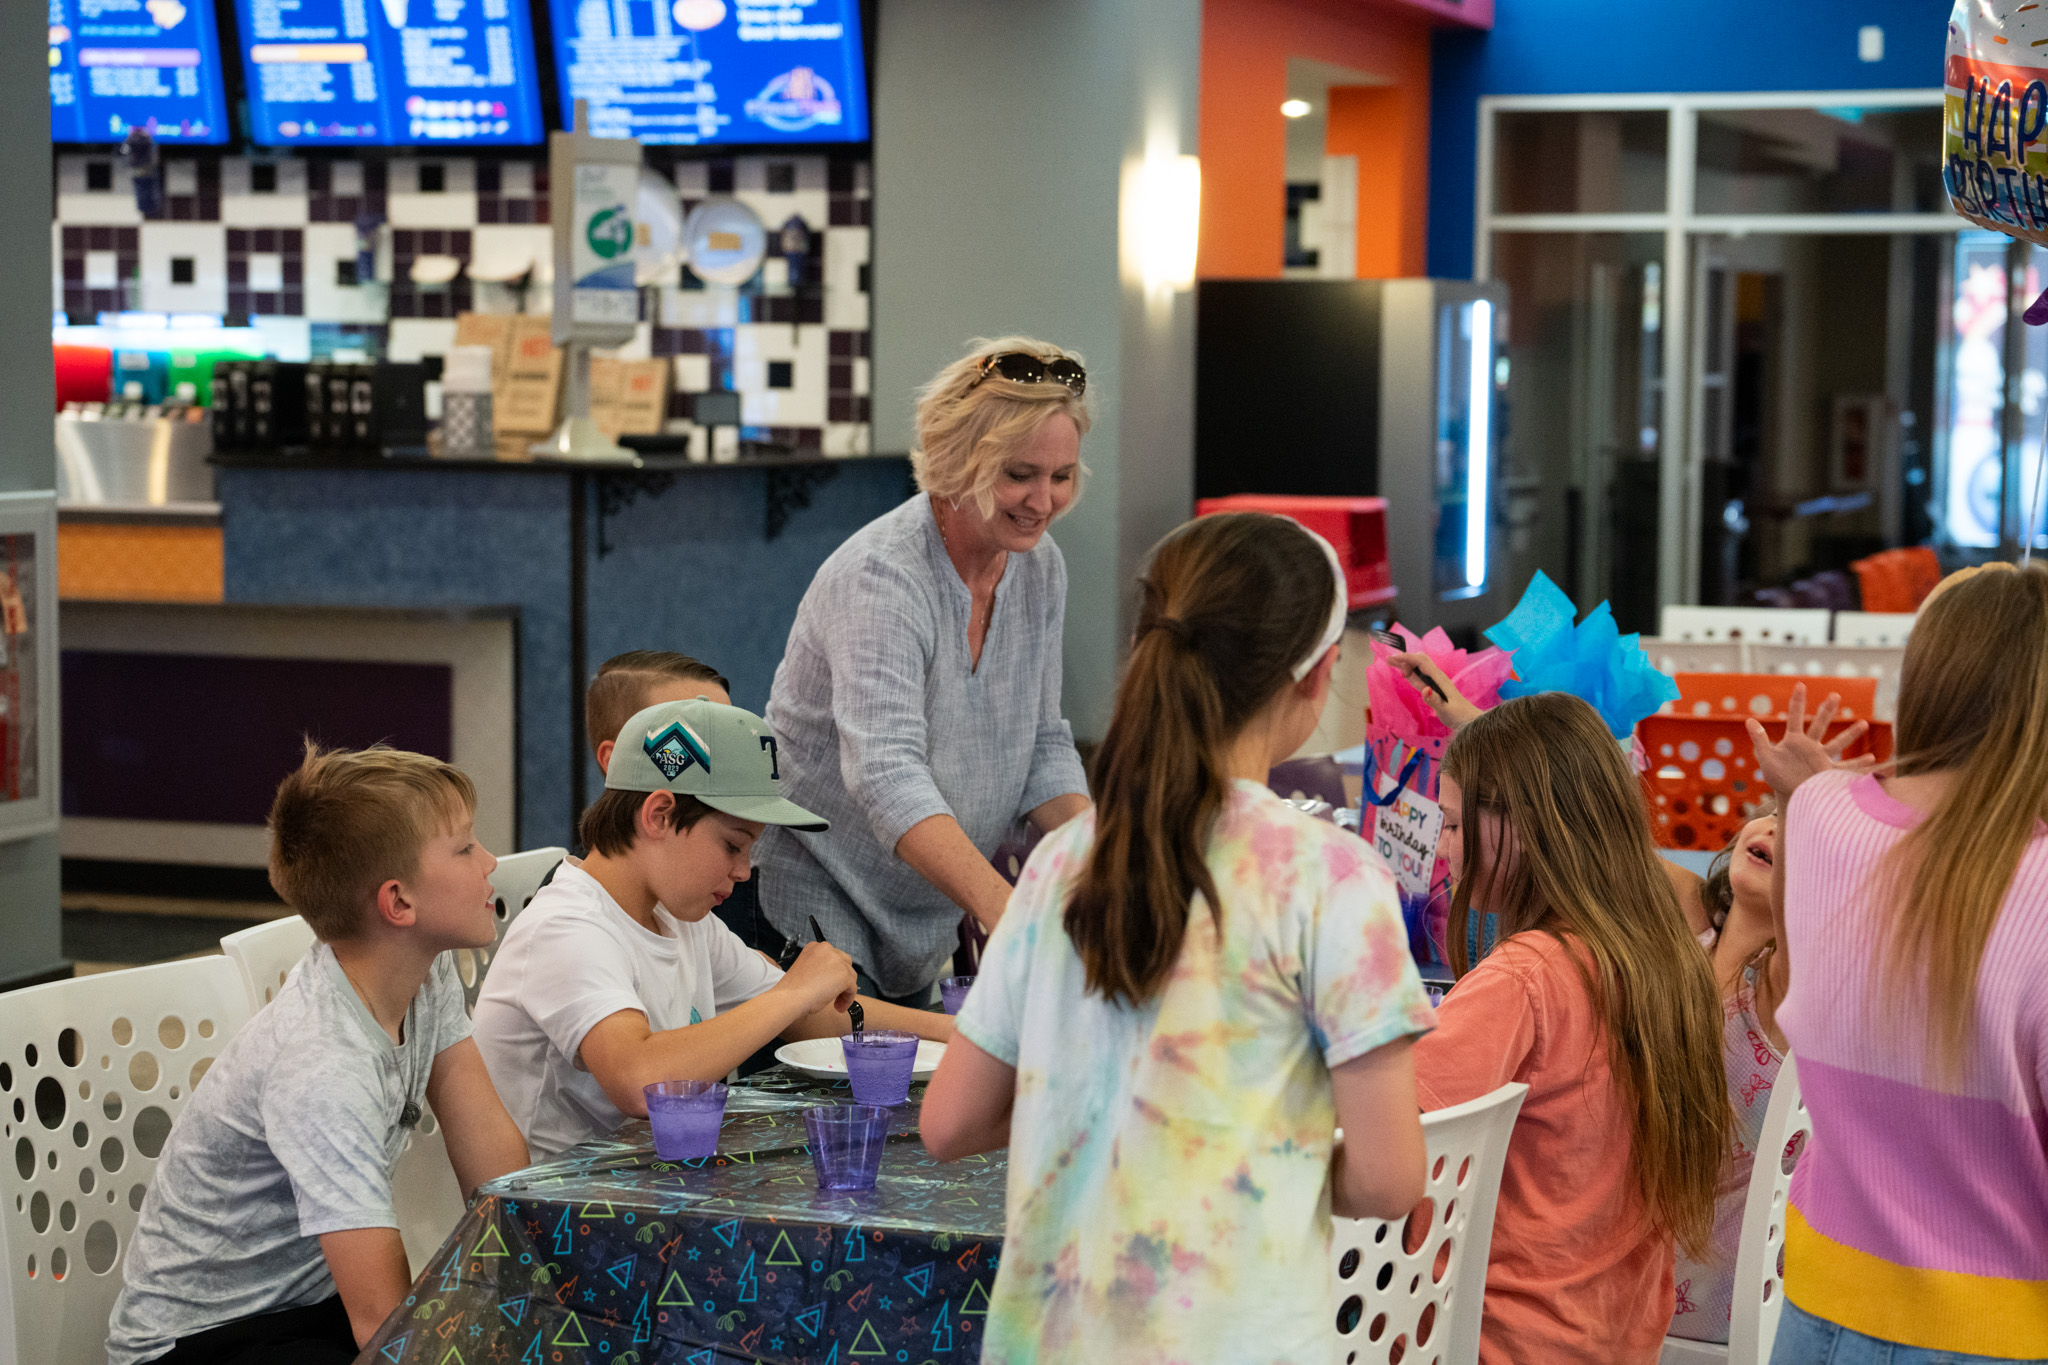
pixel 277 250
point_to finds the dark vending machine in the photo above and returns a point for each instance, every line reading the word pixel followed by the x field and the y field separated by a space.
pixel 1388 388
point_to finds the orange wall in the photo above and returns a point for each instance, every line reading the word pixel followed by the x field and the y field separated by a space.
pixel 1245 47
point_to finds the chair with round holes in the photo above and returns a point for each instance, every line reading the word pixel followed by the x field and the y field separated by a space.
pixel 515 883
pixel 265 955
pixel 1696 656
pixel 1423 1307
pixel 94 1073
pixel 1779 625
pixel 1759 1294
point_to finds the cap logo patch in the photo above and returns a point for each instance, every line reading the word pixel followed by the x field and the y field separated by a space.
pixel 674 748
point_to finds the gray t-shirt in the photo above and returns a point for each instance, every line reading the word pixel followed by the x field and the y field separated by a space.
pixel 884 720
pixel 291 1134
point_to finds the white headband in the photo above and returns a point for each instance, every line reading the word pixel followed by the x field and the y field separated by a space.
pixel 1338 608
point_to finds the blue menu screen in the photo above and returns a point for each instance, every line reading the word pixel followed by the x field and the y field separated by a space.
pixel 389 72
pixel 121 64
pixel 711 71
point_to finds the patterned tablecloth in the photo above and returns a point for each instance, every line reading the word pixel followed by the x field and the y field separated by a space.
pixel 608 1254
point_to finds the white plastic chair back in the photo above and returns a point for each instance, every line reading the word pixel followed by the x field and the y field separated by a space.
pixel 1696 656
pixel 1759 1295
pixel 1424 1308
pixel 1873 628
pixel 1838 661
pixel 517 879
pixel 265 955
pixel 1759 1257
pixel 94 1073
pixel 1779 625
pixel 423 1185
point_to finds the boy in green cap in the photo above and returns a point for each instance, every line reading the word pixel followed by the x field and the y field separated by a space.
pixel 618 975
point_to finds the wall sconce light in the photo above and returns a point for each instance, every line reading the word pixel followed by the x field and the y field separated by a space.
pixel 1164 206
pixel 1295 109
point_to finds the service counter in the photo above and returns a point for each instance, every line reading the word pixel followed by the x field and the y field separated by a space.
pixel 585 561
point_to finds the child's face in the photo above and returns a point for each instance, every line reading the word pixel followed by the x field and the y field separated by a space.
pixel 450 894
pixel 1749 870
pixel 1500 846
pixel 698 868
pixel 660 694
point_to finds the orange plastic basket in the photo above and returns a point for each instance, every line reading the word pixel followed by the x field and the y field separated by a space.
pixel 1702 783
pixel 1738 696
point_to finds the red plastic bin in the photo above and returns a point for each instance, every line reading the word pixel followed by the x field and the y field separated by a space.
pixel 1356 526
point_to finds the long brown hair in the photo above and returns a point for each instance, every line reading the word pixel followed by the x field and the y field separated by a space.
pixel 1973 701
pixel 1585 872
pixel 1231 604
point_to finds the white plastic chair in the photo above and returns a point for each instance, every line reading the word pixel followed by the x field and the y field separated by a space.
pixel 516 881
pixel 1429 1302
pixel 1780 625
pixel 1874 628
pixel 94 1074
pixel 1696 656
pixel 1759 1294
pixel 266 953
pixel 1881 662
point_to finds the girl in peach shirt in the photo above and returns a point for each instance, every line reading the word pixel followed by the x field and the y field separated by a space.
pixel 1600 1000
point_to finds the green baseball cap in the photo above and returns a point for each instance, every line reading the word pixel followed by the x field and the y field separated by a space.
pixel 722 755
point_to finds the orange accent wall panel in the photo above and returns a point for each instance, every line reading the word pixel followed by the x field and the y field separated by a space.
pixel 1245 47
pixel 130 563
pixel 1387 128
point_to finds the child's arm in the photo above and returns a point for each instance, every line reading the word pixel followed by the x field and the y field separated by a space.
pixel 483 1142
pixel 967 1105
pixel 369 1269
pixel 624 1054
pixel 1379 1177
pixel 832 1022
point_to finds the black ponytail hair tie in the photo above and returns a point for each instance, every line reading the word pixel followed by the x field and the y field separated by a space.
pixel 1180 630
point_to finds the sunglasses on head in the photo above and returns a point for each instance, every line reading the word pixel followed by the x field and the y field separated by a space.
pixel 1022 367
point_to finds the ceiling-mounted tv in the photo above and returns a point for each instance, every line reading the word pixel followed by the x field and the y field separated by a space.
pixel 151 64
pixel 696 72
pixel 389 73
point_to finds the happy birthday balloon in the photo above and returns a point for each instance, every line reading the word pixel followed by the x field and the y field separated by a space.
pixel 1995 116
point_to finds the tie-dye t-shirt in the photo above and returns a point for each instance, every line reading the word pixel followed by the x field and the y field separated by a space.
pixel 1169 1164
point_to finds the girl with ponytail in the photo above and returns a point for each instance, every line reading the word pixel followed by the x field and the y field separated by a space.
pixel 1193 987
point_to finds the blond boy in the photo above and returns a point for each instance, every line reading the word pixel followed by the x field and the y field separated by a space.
pixel 269 1232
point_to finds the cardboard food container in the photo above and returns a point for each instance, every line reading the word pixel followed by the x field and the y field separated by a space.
pixel 628 397
pixel 528 397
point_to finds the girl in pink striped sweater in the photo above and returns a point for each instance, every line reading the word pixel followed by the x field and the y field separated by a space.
pixel 1913 911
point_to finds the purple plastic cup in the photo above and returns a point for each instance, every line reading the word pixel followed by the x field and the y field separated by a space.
pixel 878 1065
pixel 846 1144
pixel 685 1116
pixel 953 990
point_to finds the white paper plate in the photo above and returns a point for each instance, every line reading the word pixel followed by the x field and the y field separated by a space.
pixel 824 1059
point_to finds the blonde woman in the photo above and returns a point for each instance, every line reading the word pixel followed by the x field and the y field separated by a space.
pixel 1913 910
pixel 918 703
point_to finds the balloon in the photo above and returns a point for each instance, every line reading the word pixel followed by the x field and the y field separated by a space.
pixel 1995 116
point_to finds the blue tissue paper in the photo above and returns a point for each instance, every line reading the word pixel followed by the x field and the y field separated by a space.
pixel 1592 660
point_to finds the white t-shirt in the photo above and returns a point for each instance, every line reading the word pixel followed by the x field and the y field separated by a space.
pixel 573 958
pixel 292 1134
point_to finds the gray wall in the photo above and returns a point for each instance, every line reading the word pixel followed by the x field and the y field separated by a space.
pixel 1002 132
pixel 28 868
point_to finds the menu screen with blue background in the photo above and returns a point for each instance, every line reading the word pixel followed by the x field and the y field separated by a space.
pixel 389 72
pixel 121 64
pixel 713 71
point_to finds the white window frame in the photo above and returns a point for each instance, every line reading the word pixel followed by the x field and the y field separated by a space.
pixel 1679 468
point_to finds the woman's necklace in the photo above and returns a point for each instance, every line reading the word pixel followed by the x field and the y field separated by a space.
pixel 989 617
